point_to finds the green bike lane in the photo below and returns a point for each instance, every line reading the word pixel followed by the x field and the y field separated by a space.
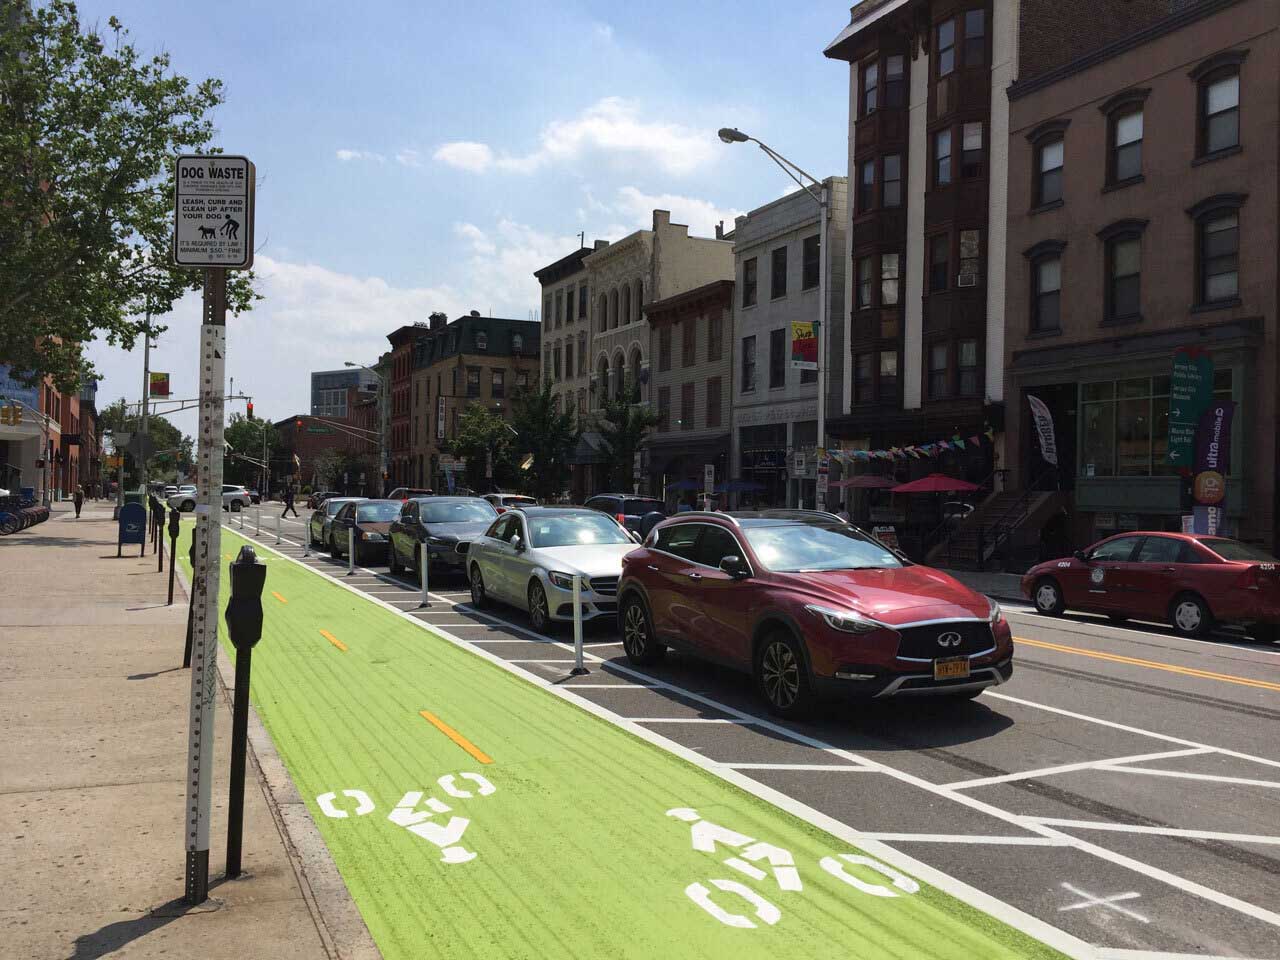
pixel 472 812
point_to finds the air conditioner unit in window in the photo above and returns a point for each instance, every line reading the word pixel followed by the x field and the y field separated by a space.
pixel 966 280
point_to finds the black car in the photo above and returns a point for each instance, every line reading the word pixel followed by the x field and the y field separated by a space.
pixel 637 514
pixel 371 520
pixel 446 525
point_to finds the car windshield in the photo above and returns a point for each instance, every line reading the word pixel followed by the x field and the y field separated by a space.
pixel 332 506
pixel 802 547
pixel 378 512
pixel 457 511
pixel 573 530
pixel 1237 551
pixel 519 501
pixel 638 508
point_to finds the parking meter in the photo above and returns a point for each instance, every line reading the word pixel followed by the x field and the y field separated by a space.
pixel 174 521
pixel 244 623
pixel 173 548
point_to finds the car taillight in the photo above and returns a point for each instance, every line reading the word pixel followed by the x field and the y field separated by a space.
pixel 501 509
pixel 1262 576
pixel 621 518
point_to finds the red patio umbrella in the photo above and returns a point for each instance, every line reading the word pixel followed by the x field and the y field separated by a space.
pixel 937 483
pixel 867 481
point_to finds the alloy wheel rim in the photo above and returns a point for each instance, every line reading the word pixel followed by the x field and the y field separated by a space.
pixel 477 588
pixel 781 674
pixel 537 607
pixel 1187 615
pixel 634 635
pixel 1047 597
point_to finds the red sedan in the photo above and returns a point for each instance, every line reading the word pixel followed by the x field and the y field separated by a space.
pixel 1189 581
pixel 810 606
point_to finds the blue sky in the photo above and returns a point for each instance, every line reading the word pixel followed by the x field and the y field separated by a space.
pixel 422 156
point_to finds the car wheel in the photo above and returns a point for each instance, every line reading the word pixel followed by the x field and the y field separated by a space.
pixel 188 506
pixel 1190 616
pixel 333 548
pixel 782 677
pixel 1047 596
pixel 235 506
pixel 637 634
pixel 478 596
pixel 539 615
pixel 393 561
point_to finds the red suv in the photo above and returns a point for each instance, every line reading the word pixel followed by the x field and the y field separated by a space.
pixel 811 606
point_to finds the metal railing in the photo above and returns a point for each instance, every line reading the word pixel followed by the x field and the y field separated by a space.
pixel 991 535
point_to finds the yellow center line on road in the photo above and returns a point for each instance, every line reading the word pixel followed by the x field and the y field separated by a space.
pixel 278 597
pixel 334 640
pixel 1152 664
pixel 456 737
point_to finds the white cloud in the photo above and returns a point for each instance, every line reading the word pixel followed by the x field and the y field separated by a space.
pixel 408 158
pixel 702 216
pixel 603 32
pixel 612 126
pixel 500 268
pixel 346 156
pixel 465 155
pixel 475 237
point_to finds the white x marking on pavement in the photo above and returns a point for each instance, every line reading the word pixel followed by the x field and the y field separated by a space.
pixel 1092 900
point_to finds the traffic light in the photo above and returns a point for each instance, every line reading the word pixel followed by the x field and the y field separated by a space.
pixel 298 423
pixel 249 408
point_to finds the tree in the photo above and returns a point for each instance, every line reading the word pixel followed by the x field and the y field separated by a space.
pixel 326 468
pixel 173 449
pixel 88 133
pixel 549 436
pixel 623 425
pixel 485 439
pixel 244 438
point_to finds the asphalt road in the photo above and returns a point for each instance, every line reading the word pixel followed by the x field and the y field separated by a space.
pixel 1123 787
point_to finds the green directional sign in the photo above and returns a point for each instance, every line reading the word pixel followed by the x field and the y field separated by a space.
pixel 1190 393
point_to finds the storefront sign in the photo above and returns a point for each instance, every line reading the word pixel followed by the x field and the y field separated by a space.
pixel 886 535
pixel 1043 420
pixel 709 478
pixel 1190 393
pixel 159 384
pixel 1213 463
pixel 804 345
pixel 797 464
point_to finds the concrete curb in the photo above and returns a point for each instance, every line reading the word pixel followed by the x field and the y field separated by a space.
pixel 337 919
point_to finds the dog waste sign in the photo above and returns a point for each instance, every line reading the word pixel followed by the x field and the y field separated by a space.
pixel 213 211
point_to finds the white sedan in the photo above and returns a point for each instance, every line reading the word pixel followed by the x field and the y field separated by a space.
pixel 529 557
pixel 234 497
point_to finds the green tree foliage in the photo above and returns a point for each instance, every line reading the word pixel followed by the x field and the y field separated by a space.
pixel 326 469
pixel 481 436
pixel 245 438
pixel 623 427
pixel 89 130
pixel 173 450
pixel 548 436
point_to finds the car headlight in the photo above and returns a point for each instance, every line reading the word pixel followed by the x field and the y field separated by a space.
pixel 438 541
pixel 846 621
pixel 995 614
pixel 370 535
pixel 562 580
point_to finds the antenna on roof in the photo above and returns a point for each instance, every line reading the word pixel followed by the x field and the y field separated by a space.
pixel 582 239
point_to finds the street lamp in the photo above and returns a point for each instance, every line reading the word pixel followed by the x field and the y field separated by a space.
pixel 383 403
pixel 822 198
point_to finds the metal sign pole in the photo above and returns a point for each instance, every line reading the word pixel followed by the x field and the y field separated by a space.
pixel 277 529
pixel 351 549
pixel 204 583
pixel 578 668
pixel 424 562
pixel 257 521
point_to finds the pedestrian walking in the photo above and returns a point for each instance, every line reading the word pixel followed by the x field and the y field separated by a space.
pixel 78 499
pixel 288 503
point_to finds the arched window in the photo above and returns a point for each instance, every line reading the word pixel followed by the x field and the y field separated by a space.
pixel 637 290
pixel 619 376
pixel 1217 222
pixel 1123 245
pixel 517 343
pixel 1218 103
pixel 624 303
pixel 613 309
pixel 1124 113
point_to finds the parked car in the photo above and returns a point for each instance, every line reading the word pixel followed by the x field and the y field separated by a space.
pixel 184 499
pixel 255 496
pixel 529 557
pixel 637 514
pixel 371 520
pixel 404 493
pixel 1189 581
pixel 235 497
pixel 502 502
pixel 169 491
pixel 319 497
pixel 322 519
pixel 447 525
pixel 810 606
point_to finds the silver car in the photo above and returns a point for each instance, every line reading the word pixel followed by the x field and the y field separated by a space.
pixel 321 523
pixel 529 557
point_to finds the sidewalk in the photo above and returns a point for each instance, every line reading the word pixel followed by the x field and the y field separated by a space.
pixel 1002 586
pixel 93 736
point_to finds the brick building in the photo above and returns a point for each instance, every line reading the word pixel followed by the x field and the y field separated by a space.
pixel 399 417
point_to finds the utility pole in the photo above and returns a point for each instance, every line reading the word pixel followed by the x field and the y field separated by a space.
pixel 146 392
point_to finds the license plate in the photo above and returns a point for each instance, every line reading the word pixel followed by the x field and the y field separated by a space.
pixel 953 668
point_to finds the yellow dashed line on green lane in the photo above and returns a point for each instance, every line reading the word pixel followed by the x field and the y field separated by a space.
pixel 456 737
pixel 278 597
pixel 334 640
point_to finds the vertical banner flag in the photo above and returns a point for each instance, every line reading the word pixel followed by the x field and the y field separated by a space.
pixel 804 345
pixel 1044 427
pixel 159 384
pixel 1190 393
pixel 1212 464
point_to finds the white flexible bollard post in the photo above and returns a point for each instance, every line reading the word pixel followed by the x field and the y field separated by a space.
pixel 578 668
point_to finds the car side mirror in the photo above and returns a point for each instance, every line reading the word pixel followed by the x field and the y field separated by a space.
pixel 735 567
pixel 635 536
pixel 517 544
pixel 1081 556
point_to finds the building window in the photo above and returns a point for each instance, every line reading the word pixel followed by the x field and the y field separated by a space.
pixel 1046 295
pixel 748 364
pixel 522 380
pixel 895 88
pixel 473 381
pixel 664 348
pixel 582 302
pixel 942 158
pixel 811 266
pixel 937 371
pixel 517 343
pixel 870 88
pixel 454 373
pixel 664 409
pixel 971 150
pixel 946 47
pixel 778 278
pixel 1124 277
pixel 967 367
pixel 749 282
pixel 862 378
pixel 558 319
pixel 975 38
pixel 1220 111
pixel 689 344
pixel 1219 243
pixel 867 186
pixel 864 283
pixel 498 385
pixel 892 175
pixel 890 279
pixel 686 406
pixel 888 389
pixel 777 358
pixel 603 307
pixel 713 402
pixel 555 366
pixel 482 341
pixel 715 336
pixel 546 310
pixel 568 359
pixel 939 262
pixel 1049 172
pixel 1126 146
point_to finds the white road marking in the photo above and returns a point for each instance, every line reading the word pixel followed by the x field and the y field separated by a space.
pixel 802 766
pixel 1249 648
pixel 1093 900
pixel 611 686
pixel 1158 831
pixel 1179 774
pixel 965 838
pixel 1072 768
pixel 1114 953
pixel 735 721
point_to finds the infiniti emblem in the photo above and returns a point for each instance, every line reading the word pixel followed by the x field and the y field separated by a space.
pixel 949 639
